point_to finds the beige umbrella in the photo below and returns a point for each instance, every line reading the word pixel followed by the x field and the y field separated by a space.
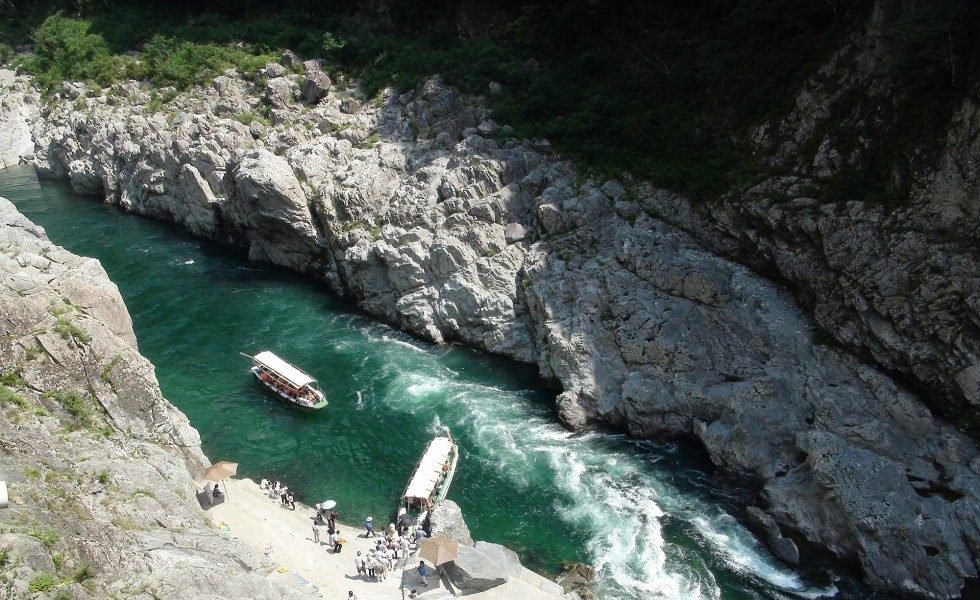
pixel 439 550
pixel 220 471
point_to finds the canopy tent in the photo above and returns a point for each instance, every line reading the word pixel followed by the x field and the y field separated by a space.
pixel 282 368
pixel 430 469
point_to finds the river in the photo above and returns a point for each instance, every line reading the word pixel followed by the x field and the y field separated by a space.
pixel 646 514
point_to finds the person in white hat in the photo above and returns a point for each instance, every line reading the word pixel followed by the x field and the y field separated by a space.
pixel 369 527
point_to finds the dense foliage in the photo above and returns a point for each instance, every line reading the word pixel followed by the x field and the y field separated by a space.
pixel 667 89
pixel 65 48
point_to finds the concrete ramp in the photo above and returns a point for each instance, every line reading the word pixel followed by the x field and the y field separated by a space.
pixel 542 583
pixel 515 589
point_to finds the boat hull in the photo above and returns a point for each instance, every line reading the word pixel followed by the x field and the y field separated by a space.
pixel 419 505
pixel 318 403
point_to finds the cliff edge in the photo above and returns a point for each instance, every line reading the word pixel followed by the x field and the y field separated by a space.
pixel 99 466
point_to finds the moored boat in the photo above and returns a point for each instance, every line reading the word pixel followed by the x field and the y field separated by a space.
pixel 430 482
pixel 288 383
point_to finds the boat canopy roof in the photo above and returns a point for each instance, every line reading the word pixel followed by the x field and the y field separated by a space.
pixel 282 368
pixel 423 483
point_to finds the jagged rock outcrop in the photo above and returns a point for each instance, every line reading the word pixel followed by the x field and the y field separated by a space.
pixel 577 578
pixel 894 281
pixel 98 464
pixel 16 112
pixel 618 293
pixel 482 566
pixel 316 83
pixel 447 519
pixel 784 548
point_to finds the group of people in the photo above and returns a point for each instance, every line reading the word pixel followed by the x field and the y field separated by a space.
pixel 383 558
pixel 304 393
pixel 328 518
pixel 392 544
pixel 279 491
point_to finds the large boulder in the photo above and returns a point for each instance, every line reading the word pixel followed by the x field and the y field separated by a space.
pixel 578 577
pixel 316 84
pixel 447 519
pixel 482 567
pixel 279 93
pixel 267 207
pixel 268 192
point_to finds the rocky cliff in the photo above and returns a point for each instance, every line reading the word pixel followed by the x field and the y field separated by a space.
pixel 892 278
pixel 417 205
pixel 99 466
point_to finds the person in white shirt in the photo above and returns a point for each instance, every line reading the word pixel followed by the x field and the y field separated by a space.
pixel 404 551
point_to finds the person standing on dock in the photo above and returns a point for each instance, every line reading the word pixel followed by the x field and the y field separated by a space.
pixel 405 545
pixel 316 531
pixel 369 527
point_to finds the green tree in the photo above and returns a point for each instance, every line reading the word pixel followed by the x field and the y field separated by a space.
pixel 66 50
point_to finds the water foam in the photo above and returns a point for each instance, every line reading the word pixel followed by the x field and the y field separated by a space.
pixel 617 501
pixel 390 340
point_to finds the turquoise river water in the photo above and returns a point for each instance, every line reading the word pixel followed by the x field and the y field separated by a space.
pixel 645 514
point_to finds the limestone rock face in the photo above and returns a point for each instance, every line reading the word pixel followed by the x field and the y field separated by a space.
pixel 784 549
pixel 895 282
pixel 482 567
pixel 316 84
pixel 622 294
pixel 279 93
pixel 447 519
pixel 267 206
pixel 82 409
pixel 872 509
pixel 16 113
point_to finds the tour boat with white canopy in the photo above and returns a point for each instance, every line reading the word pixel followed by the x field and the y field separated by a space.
pixel 287 382
pixel 430 482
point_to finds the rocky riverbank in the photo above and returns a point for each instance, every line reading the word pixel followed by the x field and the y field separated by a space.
pixel 99 465
pixel 419 207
